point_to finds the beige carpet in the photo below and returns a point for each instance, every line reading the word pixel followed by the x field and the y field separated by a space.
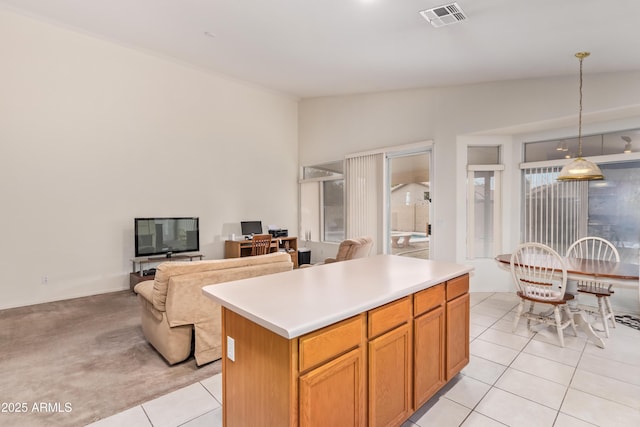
pixel 69 363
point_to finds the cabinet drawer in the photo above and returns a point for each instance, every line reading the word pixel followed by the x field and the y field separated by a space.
pixel 387 317
pixel 428 299
pixel 458 286
pixel 327 343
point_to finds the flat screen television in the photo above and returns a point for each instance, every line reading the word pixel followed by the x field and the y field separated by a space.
pixel 166 236
pixel 251 227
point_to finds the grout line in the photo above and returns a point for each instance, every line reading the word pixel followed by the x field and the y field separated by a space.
pixel 509 366
pixel 146 415
pixel 603 397
pixel 199 416
pixel 569 386
pixel 210 392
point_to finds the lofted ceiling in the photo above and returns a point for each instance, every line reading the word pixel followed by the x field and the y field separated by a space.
pixel 317 48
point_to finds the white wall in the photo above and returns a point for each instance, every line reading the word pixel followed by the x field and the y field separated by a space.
pixel 508 112
pixel 93 134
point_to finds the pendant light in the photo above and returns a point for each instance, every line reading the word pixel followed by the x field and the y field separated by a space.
pixel 580 169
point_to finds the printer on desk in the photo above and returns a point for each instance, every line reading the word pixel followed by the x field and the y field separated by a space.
pixel 279 232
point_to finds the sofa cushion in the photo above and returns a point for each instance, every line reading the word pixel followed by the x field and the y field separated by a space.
pixel 185 302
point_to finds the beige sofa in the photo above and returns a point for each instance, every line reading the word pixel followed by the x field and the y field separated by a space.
pixel 173 307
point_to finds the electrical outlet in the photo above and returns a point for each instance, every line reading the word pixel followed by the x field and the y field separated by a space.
pixel 231 349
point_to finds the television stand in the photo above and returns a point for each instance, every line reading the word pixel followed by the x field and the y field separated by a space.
pixel 139 263
pixel 169 257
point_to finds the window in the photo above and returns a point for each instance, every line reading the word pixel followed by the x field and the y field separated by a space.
pixel 322 203
pixel 619 142
pixel 613 208
pixel 483 201
pixel 333 210
pixel 558 213
pixel 553 212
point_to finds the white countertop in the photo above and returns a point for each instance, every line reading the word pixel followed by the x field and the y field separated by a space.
pixel 296 302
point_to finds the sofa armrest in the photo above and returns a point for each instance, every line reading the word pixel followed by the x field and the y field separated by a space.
pixel 145 289
pixel 145 296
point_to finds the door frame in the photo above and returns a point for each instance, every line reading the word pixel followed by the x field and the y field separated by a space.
pixel 424 147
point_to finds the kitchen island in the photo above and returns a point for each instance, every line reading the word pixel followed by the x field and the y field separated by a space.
pixel 354 343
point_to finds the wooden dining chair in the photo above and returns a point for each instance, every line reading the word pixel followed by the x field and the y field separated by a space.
pixel 540 275
pixel 600 249
pixel 261 244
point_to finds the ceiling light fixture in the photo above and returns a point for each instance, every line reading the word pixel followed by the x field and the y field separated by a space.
pixel 562 146
pixel 580 169
pixel 627 144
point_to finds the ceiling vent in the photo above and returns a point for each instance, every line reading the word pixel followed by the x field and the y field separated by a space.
pixel 444 15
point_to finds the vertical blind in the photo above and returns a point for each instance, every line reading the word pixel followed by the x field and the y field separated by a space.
pixel 364 197
pixel 554 213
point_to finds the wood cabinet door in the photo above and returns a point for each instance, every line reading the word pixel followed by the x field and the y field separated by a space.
pixel 457 343
pixel 428 355
pixel 333 393
pixel 390 377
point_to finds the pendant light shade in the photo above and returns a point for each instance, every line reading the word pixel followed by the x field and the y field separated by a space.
pixel 580 169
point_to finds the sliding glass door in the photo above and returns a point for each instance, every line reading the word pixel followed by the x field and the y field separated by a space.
pixel 409 204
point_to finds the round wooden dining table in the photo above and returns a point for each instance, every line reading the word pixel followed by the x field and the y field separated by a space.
pixel 581 269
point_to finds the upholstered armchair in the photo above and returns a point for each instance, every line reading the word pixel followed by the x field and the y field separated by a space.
pixel 359 247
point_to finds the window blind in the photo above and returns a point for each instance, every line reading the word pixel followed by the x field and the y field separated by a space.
pixel 554 213
pixel 363 196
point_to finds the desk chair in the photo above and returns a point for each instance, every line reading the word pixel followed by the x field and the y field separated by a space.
pixel 540 275
pixel 600 249
pixel 261 244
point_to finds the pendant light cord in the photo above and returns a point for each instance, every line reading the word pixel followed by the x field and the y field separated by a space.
pixel 580 112
pixel 580 169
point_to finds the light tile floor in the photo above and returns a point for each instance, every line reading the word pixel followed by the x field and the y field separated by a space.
pixel 513 379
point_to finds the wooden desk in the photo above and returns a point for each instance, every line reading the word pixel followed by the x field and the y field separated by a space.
pixel 579 269
pixel 242 248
